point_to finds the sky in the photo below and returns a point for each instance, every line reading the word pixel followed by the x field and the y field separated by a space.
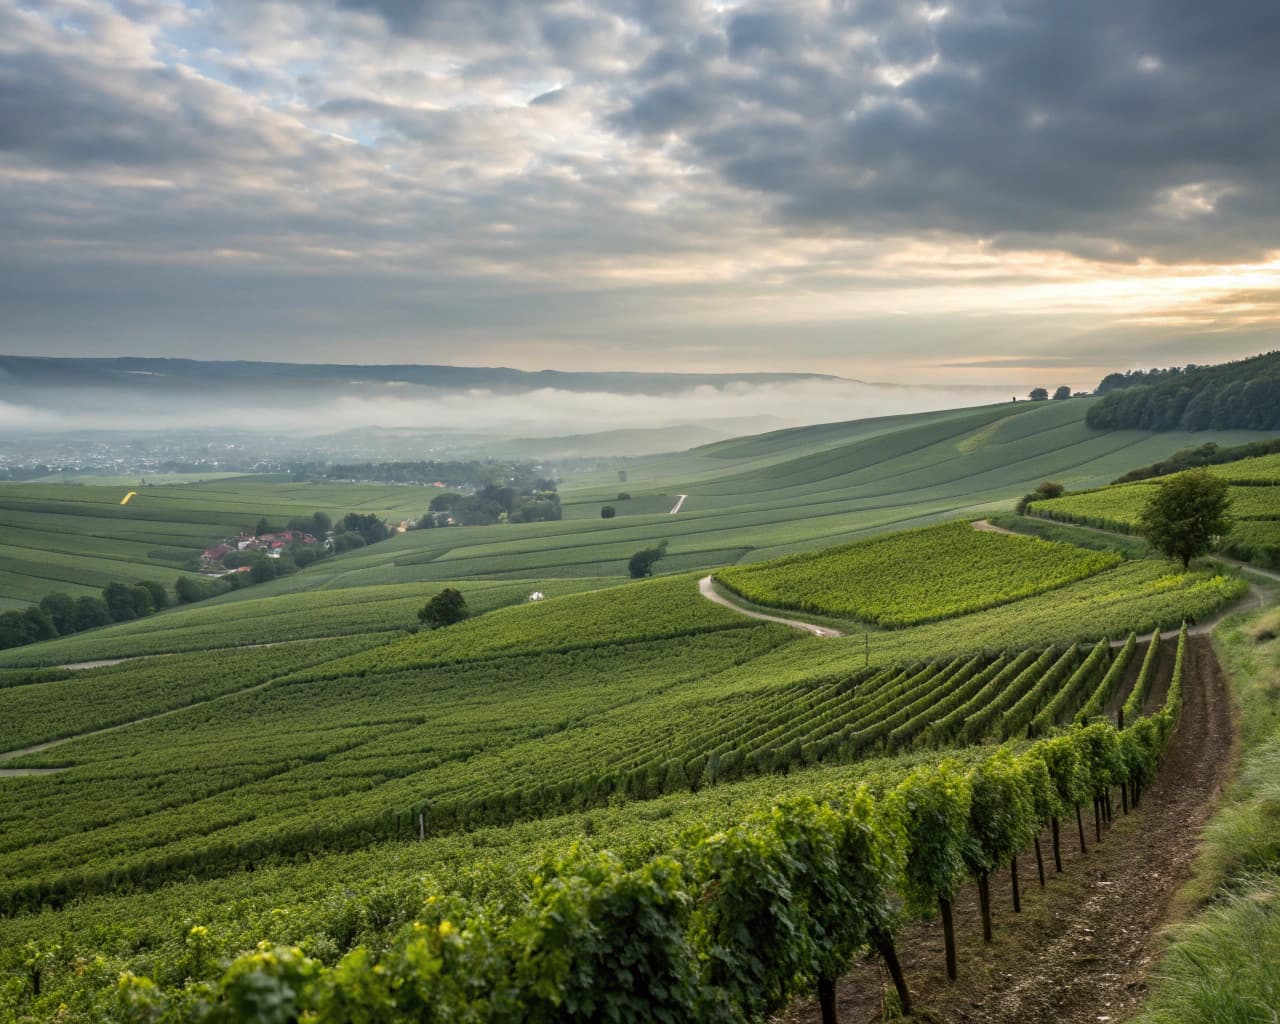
pixel 962 193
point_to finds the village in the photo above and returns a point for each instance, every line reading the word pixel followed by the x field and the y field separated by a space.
pixel 272 545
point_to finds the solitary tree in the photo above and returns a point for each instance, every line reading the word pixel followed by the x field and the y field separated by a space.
pixel 608 512
pixel 1186 515
pixel 1038 394
pixel 1061 393
pixel 1045 491
pixel 446 608
pixel 642 561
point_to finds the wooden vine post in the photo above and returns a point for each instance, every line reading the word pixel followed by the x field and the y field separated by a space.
pixel 984 902
pixel 827 1000
pixel 948 935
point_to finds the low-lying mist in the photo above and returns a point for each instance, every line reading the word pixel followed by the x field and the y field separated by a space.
pixel 544 412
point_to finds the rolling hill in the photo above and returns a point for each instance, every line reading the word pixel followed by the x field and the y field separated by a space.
pixel 295 764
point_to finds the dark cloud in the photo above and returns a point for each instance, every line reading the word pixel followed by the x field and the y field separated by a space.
pixel 1116 130
pixel 604 171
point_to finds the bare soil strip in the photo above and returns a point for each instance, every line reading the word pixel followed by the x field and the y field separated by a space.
pixel 1083 948
pixel 17 773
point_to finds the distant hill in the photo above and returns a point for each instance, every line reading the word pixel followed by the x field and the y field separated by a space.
pixel 136 373
pixel 1244 395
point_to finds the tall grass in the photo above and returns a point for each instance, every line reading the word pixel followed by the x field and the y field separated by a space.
pixel 1224 968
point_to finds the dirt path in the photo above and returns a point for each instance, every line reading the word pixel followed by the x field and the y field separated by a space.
pixel 15 773
pixel 1082 949
pixel 679 504
pixel 80 666
pixel 707 587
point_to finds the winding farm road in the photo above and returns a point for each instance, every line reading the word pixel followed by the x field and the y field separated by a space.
pixel 707 587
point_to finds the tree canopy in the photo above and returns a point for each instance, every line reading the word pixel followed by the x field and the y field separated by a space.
pixel 1244 395
pixel 642 561
pixel 1187 514
pixel 446 608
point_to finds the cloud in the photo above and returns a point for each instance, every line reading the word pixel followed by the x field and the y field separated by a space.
pixel 613 178
pixel 1076 127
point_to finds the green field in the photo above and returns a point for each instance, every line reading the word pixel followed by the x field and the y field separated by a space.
pixel 749 500
pixel 1255 507
pixel 916 576
pixel 295 762
pixel 76 538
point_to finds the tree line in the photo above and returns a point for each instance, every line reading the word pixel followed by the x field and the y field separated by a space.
pixel 472 474
pixel 60 614
pixel 495 503
pixel 1197 456
pixel 1244 395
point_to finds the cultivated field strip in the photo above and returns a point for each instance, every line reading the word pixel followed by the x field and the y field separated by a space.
pixel 916 576
pixel 379 776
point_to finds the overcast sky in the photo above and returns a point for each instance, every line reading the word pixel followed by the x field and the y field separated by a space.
pixel 1027 191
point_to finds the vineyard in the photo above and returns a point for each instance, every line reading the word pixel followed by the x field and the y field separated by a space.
pixel 618 802
pixel 1255 507
pixel 308 748
pixel 916 576
pixel 692 917
pixel 722 729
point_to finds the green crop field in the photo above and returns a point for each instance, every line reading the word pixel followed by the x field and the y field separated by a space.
pixel 1255 507
pixel 75 538
pixel 749 500
pixel 916 576
pixel 295 762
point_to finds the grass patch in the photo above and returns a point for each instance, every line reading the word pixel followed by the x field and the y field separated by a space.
pixel 1222 967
